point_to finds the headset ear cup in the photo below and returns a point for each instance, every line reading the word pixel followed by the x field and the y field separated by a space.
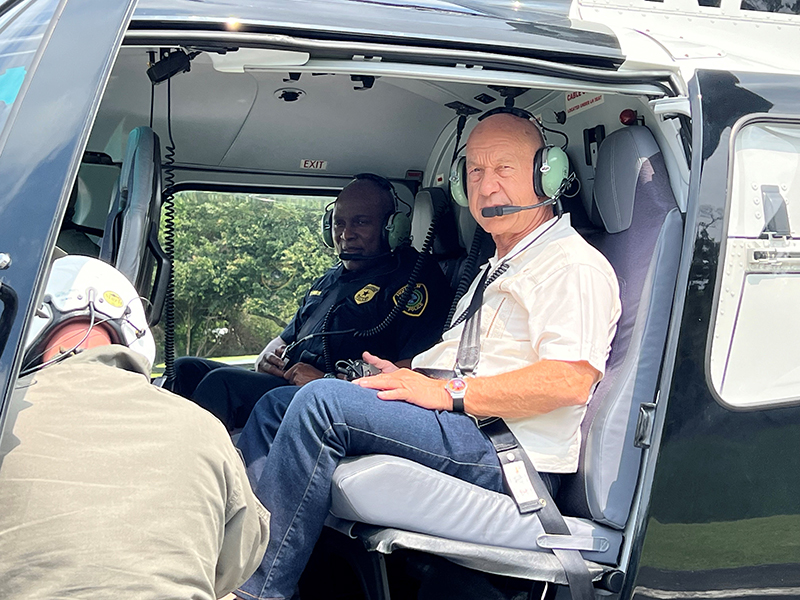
pixel 397 231
pixel 326 228
pixel 458 181
pixel 550 169
pixel 538 159
pixel 552 176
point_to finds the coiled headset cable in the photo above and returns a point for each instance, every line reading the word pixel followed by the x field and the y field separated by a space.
pixel 168 205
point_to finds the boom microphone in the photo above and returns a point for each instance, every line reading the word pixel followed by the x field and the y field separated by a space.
pixel 500 211
pixel 348 256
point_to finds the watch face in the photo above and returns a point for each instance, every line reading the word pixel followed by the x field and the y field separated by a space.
pixel 456 385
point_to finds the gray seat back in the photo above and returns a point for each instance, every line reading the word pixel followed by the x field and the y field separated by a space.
pixel 130 239
pixel 446 249
pixel 135 208
pixel 634 203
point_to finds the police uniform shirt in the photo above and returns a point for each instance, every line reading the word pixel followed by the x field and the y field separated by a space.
pixel 363 299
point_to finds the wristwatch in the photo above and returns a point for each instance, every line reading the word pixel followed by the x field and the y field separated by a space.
pixel 457 388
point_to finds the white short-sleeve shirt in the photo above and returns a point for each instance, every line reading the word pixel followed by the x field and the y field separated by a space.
pixel 558 300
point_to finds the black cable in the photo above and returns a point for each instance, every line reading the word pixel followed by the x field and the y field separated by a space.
pixel 557 132
pixel 503 267
pixel 470 269
pixel 152 60
pixel 462 121
pixel 489 281
pixel 410 286
pixel 152 101
pixel 326 351
pixel 169 244
pixel 63 355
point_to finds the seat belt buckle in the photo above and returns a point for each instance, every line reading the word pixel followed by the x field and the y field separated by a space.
pixel 518 482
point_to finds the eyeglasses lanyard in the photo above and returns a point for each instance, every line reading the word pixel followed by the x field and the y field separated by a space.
pixel 469 346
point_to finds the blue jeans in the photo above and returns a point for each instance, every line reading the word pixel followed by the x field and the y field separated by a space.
pixel 292 447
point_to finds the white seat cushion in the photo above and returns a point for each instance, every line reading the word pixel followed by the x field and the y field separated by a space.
pixel 398 493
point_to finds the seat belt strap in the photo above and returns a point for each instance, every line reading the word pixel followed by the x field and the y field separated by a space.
pixel 538 500
pixel 521 477
pixel 526 490
pixel 321 309
pixel 331 299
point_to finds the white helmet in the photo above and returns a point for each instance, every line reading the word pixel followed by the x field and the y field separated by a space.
pixel 80 286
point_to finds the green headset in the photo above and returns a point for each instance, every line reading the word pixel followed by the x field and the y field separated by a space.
pixel 550 165
pixel 395 232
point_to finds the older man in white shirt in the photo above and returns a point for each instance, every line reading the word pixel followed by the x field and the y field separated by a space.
pixel 550 304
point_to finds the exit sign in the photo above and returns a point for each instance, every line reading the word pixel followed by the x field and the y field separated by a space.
pixel 313 165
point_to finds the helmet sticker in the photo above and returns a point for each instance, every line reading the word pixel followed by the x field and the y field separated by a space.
pixel 113 298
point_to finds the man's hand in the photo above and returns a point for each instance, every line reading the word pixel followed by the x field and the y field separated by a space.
pixel 408 386
pixel 384 365
pixel 274 365
pixel 270 361
pixel 301 373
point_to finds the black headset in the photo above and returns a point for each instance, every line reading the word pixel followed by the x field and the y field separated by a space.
pixel 396 231
pixel 550 164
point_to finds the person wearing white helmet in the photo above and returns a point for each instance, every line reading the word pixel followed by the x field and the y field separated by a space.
pixel 109 486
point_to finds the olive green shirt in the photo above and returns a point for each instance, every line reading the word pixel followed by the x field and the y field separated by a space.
pixel 111 487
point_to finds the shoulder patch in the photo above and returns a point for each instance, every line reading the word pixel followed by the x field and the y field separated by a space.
pixel 315 293
pixel 366 293
pixel 417 303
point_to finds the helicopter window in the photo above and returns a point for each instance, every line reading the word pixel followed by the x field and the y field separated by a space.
pixel 243 262
pixel 774 6
pixel 23 26
pixel 754 356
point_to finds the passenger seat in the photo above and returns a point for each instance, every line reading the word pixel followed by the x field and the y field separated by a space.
pixel 130 239
pixel 438 514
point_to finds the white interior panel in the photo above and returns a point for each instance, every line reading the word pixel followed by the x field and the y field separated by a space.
pixel 208 108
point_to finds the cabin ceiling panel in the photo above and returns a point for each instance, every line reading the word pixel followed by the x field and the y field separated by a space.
pixel 385 129
pixel 208 108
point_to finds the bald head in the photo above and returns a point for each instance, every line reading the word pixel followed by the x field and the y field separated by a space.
pixel 368 192
pixel 524 132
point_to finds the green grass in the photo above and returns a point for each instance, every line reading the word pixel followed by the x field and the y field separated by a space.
pixel 245 361
pixel 703 546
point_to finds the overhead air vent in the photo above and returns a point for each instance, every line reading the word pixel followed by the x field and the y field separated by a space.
pixel 289 94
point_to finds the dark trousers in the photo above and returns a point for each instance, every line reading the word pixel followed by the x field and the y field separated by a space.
pixel 229 393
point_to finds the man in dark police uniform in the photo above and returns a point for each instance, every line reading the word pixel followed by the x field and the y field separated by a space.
pixel 354 298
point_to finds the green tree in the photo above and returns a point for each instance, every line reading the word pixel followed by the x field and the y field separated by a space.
pixel 242 264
